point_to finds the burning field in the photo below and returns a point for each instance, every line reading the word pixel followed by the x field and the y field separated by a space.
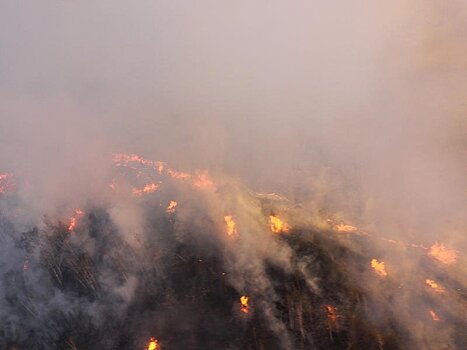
pixel 215 265
pixel 233 175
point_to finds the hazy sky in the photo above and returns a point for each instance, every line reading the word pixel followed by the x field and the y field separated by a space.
pixel 360 98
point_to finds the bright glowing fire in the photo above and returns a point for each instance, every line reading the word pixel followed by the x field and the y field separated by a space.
pixel 244 307
pixel 436 287
pixel 277 225
pixel 345 228
pixel 74 219
pixel 171 207
pixel 378 267
pixel 231 226
pixel 153 344
pixel 149 188
pixel 200 179
pixel 444 255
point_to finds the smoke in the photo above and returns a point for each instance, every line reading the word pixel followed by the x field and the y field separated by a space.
pixel 353 111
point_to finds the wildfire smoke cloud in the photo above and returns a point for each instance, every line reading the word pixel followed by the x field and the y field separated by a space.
pixel 250 175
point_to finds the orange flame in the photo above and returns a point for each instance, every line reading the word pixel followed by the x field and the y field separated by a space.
pixel 434 316
pixel 178 175
pixel 125 159
pixel 153 344
pixel 74 219
pixel 277 225
pixel 149 188
pixel 444 255
pixel 345 228
pixel 231 226
pixel 436 287
pixel 200 179
pixel 73 223
pixel 379 268
pixel 244 307
pixel 171 207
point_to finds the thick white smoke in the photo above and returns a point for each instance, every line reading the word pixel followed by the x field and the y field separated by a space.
pixel 354 108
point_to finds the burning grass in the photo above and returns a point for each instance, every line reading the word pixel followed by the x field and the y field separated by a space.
pixel 181 283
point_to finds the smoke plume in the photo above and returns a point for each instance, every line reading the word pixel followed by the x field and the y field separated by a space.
pixel 233 175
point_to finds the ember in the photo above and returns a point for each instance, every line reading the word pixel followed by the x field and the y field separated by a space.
pixel 345 228
pixel 171 207
pixel 244 307
pixel 436 287
pixel 332 316
pixel 434 316
pixel 74 219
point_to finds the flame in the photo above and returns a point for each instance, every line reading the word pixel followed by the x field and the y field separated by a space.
pixel 379 268
pixel 171 207
pixel 149 188
pixel 202 180
pixel 178 175
pixel 332 315
pixel 244 307
pixel 72 225
pixel 153 344
pixel 433 284
pixel 231 226
pixel 122 159
pixel 277 225
pixel 345 228
pixel 444 255
pixel 434 316
pixel 74 219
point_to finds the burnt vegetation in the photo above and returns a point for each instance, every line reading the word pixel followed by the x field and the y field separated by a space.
pixel 91 290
